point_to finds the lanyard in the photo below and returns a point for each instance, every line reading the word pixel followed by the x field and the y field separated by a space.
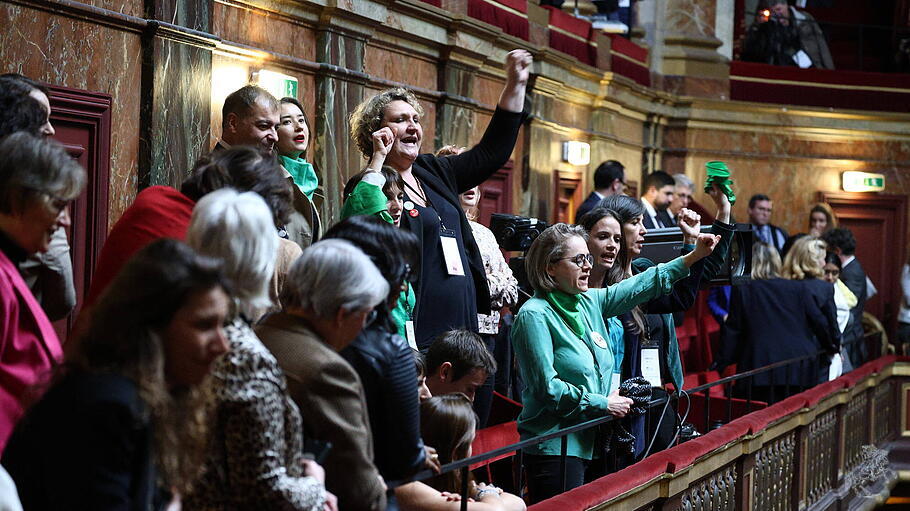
pixel 425 197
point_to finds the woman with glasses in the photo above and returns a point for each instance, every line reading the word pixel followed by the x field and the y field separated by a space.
pixel 330 293
pixel 560 342
pixel 382 359
pixel 37 180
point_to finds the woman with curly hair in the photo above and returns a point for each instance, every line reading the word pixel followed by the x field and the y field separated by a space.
pixel 125 421
pixel 452 285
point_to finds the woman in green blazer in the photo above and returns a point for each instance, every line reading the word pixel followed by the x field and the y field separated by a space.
pixel 560 342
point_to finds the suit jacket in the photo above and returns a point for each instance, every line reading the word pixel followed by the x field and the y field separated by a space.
pixel 775 320
pixel 87 445
pixel 590 203
pixel 854 277
pixel 663 216
pixel 333 407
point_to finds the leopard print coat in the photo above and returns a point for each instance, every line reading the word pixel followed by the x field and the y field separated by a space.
pixel 256 452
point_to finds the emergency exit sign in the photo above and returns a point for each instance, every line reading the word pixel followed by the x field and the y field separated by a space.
pixel 278 84
pixel 854 181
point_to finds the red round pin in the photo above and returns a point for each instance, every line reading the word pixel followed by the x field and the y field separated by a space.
pixel 413 213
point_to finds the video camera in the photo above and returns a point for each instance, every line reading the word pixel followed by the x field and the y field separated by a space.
pixel 515 233
pixel 663 245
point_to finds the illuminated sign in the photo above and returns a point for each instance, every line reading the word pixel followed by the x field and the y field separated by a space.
pixel 278 84
pixel 576 153
pixel 854 181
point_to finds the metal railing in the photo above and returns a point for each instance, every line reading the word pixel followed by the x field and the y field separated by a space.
pixel 873 350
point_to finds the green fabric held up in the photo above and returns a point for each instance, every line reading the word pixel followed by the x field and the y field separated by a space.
pixel 567 307
pixel 303 174
pixel 367 199
pixel 719 174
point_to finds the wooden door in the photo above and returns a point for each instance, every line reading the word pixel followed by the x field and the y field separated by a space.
pixel 568 196
pixel 496 194
pixel 879 224
pixel 82 120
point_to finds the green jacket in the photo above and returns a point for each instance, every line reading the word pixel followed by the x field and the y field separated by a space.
pixel 368 199
pixel 567 378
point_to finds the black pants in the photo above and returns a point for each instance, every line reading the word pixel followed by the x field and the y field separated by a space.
pixel 543 475
pixel 483 398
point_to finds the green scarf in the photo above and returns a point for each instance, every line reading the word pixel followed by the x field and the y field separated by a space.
pixel 303 174
pixel 567 307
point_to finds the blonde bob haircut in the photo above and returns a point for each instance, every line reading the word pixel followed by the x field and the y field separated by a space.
pixel 765 262
pixel 802 260
pixel 368 115
pixel 546 250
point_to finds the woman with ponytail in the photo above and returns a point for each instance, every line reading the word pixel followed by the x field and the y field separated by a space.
pixel 649 329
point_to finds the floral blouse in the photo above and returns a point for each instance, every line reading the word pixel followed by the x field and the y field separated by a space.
pixel 503 286
pixel 256 452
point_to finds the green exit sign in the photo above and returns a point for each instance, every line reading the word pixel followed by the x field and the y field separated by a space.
pixel 279 85
pixel 854 181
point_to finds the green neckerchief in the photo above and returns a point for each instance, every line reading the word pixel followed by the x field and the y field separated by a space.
pixel 303 174
pixel 567 307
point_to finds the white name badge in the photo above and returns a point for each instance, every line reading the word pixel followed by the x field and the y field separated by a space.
pixel 599 340
pixel 451 253
pixel 410 335
pixel 650 366
pixel 614 382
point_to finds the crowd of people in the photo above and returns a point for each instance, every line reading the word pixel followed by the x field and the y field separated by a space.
pixel 235 350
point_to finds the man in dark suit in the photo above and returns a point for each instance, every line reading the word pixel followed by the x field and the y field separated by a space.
pixel 841 242
pixel 760 206
pixel 659 188
pixel 609 179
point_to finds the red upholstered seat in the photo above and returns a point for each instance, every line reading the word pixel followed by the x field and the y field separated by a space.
pixel 494 437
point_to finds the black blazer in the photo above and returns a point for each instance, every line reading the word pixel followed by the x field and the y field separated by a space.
pixel 663 216
pixel 590 203
pixel 854 277
pixel 385 364
pixel 87 445
pixel 775 320
pixel 451 176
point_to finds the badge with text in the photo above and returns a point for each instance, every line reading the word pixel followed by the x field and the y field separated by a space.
pixel 450 251
pixel 599 340
pixel 650 365
pixel 408 205
pixel 409 333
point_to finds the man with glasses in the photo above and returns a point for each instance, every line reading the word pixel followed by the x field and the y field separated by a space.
pixel 609 179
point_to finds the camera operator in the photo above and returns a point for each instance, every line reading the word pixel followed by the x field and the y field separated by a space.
pixel 785 36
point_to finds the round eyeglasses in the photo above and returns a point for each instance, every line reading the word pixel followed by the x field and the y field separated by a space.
pixel 580 259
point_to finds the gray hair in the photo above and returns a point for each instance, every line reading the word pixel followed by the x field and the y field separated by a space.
pixel 333 275
pixel 683 180
pixel 547 249
pixel 238 229
pixel 32 169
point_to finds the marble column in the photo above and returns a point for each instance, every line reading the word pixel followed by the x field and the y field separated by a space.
pixel 176 90
pixel 338 92
pixel 454 116
pixel 684 47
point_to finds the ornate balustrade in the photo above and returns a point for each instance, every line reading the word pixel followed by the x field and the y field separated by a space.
pixel 808 452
